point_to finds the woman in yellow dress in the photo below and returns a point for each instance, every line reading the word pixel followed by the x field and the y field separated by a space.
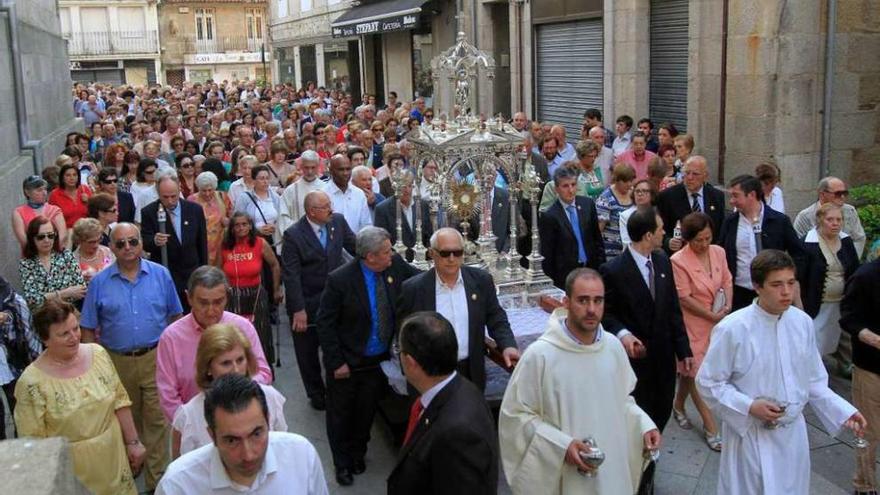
pixel 72 391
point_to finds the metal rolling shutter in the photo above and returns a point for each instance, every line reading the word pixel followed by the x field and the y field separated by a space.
pixel 569 72
pixel 669 62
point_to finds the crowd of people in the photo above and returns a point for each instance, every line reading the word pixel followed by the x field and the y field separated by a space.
pixel 159 248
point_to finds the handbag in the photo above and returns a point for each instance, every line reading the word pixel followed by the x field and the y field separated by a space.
pixel 720 301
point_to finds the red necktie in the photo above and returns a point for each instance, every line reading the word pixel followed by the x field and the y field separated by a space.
pixel 414 413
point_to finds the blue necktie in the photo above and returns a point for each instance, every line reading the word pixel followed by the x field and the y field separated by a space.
pixel 322 236
pixel 573 218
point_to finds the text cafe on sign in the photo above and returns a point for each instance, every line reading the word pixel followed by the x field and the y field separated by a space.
pixel 381 26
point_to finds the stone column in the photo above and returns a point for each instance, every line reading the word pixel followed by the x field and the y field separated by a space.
pixel 627 61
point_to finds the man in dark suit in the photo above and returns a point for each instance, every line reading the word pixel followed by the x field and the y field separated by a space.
pixel 565 248
pixel 750 229
pixel 466 297
pixel 642 309
pixel 355 325
pixel 693 194
pixel 185 237
pixel 451 445
pixel 312 249
pixel 108 182
pixel 386 217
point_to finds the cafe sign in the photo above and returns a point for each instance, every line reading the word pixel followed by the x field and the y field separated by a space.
pixel 395 23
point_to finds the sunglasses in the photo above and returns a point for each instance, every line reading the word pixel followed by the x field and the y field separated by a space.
pixel 839 194
pixel 187 165
pixel 149 172
pixel 111 210
pixel 132 242
pixel 109 181
pixel 445 253
pixel 44 236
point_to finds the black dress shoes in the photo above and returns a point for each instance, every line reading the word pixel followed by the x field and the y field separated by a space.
pixel 359 467
pixel 344 477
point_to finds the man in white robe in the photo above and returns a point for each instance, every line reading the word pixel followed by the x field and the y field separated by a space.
pixel 768 351
pixel 294 196
pixel 574 382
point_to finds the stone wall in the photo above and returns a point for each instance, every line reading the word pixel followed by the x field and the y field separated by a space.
pixel 855 136
pixel 49 107
pixel 38 467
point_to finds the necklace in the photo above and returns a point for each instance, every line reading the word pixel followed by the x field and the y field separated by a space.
pixel 90 259
pixel 61 363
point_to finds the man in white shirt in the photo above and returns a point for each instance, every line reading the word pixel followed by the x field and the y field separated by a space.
pixel 605 160
pixel 466 297
pixel 623 141
pixel 244 455
pixel 294 196
pixel 565 149
pixel 348 200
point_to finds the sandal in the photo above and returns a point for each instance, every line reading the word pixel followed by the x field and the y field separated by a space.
pixel 713 441
pixel 681 418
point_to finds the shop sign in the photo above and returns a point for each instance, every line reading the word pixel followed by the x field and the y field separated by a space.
pixel 224 58
pixel 395 23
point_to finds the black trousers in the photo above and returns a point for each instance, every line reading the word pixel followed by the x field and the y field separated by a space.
pixel 305 345
pixel 742 297
pixel 351 407
pixel 9 392
pixel 655 388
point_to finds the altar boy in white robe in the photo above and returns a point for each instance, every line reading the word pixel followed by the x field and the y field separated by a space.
pixel 574 382
pixel 761 369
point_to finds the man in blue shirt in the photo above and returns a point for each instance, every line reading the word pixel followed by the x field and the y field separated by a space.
pixel 355 324
pixel 131 302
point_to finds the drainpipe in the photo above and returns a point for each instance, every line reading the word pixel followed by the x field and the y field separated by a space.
pixel 830 32
pixel 722 108
pixel 24 134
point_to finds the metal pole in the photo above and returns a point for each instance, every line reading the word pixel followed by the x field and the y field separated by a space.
pixel 830 33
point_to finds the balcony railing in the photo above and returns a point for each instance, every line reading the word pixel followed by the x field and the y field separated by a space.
pixel 220 44
pixel 112 43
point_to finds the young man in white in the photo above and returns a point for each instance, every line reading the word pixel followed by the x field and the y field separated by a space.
pixel 245 456
pixel 762 368
pixel 574 382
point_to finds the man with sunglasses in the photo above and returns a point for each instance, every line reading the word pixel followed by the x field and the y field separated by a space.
pixel 833 190
pixel 108 182
pixel 466 297
pixel 132 301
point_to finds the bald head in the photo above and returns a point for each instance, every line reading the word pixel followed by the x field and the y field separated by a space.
pixel 696 173
pixel 832 190
pixel 315 198
pixel 340 171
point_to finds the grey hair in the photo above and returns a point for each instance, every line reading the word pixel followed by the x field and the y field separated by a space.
pixel 436 235
pixel 825 183
pixel 370 240
pixel 167 174
pixel 596 128
pixel 360 171
pixel 583 148
pixel 564 173
pixel 206 276
pixel 206 179
pixel 249 158
pixel 310 156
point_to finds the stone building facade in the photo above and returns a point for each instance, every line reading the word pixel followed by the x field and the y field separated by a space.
pixel 214 39
pixel 35 98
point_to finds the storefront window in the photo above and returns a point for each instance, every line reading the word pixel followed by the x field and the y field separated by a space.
pixel 336 66
pixel 423 51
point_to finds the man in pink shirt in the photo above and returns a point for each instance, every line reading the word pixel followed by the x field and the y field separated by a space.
pixel 176 355
pixel 637 156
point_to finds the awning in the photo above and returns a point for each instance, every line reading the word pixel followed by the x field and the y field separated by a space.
pixel 378 17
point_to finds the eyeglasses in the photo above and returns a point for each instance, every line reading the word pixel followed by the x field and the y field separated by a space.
pixel 132 242
pixel 44 236
pixel 642 191
pixel 445 253
pixel 839 194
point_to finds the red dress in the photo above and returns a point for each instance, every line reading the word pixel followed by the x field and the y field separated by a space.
pixel 72 208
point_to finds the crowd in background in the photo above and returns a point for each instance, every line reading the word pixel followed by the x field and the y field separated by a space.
pixel 212 179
